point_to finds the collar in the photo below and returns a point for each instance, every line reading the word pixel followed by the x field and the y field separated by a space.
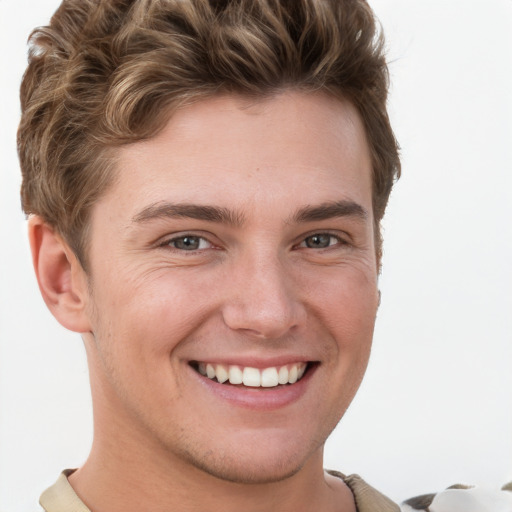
pixel 61 497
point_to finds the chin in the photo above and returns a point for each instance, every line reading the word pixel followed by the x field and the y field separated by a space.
pixel 235 471
pixel 265 463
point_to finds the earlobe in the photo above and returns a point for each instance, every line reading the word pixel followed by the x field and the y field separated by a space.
pixel 61 279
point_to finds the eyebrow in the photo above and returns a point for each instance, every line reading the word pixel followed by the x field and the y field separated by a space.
pixel 324 211
pixel 330 210
pixel 165 210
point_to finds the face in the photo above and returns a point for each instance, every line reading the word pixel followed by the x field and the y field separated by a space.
pixel 233 285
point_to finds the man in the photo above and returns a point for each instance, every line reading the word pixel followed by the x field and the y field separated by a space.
pixel 205 182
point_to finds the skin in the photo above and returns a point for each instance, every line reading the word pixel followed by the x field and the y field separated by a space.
pixel 254 286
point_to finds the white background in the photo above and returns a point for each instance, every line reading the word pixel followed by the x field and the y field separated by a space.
pixel 436 405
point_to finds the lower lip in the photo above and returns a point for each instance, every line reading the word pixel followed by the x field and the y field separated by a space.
pixel 263 399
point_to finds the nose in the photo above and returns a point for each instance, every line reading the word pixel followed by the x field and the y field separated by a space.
pixel 262 299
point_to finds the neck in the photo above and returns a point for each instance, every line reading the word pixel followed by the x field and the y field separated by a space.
pixel 131 481
pixel 124 475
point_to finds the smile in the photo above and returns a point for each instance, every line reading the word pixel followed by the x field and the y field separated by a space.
pixel 270 377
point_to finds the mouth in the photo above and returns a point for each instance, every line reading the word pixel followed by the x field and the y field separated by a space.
pixel 235 375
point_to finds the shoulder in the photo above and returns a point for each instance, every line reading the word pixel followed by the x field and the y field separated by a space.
pixel 367 498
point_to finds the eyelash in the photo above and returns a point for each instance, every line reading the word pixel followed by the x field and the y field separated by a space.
pixel 338 240
pixel 201 240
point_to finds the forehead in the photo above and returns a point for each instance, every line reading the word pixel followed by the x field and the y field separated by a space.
pixel 229 150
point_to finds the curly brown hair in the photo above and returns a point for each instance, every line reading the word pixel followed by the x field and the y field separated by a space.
pixel 109 72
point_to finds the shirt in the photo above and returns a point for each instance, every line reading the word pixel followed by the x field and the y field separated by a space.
pixel 61 497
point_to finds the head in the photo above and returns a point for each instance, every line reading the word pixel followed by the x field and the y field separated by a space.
pixel 108 73
pixel 214 175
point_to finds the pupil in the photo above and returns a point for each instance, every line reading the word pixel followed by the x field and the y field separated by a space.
pixel 188 242
pixel 318 241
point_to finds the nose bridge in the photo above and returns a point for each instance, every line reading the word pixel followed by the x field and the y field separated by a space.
pixel 261 298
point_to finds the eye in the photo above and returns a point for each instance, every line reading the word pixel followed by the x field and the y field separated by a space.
pixel 189 243
pixel 320 241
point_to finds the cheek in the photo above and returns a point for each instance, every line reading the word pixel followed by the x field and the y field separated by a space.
pixel 347 300
pixel 346 310
pixel 148 317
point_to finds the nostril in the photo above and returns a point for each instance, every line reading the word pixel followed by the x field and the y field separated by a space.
pixel 260 322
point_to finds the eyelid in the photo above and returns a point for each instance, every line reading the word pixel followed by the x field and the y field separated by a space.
pixel 165 242
pixel 342 237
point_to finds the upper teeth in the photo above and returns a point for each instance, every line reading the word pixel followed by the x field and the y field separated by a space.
pixel 253 377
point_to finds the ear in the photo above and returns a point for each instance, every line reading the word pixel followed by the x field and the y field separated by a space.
pixel 61 278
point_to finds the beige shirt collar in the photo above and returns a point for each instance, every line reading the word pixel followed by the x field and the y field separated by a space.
pixel 61 497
